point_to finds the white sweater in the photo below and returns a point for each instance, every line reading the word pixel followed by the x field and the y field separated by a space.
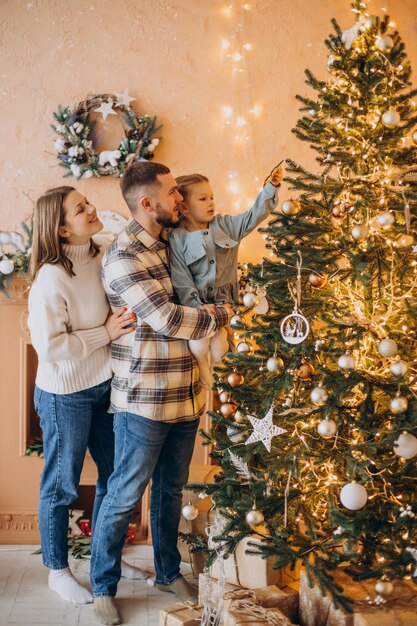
pixel 66 322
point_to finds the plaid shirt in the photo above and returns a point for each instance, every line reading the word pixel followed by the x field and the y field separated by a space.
pixel 155 374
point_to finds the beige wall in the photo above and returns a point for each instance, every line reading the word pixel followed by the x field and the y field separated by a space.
pixel 169 55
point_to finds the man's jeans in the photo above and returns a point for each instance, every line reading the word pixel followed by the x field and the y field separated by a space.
pixel 71 423
pixel 144 448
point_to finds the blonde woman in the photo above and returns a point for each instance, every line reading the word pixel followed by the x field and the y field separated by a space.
pixel 71 329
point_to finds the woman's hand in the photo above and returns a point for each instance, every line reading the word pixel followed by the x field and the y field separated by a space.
pixel 120 323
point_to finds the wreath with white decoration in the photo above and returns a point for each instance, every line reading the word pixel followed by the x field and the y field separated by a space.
pixel 77 145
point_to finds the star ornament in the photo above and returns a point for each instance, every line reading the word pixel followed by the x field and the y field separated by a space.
pixel 106 108
pixel 264 430
pixel 124 98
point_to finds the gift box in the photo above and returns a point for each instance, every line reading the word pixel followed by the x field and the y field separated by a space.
pixel 318 610
pixel 252 615
pixel 181 614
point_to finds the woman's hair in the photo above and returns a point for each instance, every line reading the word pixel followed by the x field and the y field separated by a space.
pixel 48 216
pixel 184 182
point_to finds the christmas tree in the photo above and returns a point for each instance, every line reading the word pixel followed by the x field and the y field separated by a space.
pixel 317 430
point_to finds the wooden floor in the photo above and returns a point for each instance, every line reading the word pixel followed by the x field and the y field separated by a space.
pixel 26 599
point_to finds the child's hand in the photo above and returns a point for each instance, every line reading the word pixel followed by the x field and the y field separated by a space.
pixel 120 323
pixel 275 177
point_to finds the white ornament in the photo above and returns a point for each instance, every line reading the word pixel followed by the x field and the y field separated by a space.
pixel 189 511
pixel 370 21
pixel 263 305
pixel 124 98
pixel 77 126
pixel 274 364
pixel 250 299
pixel 349 36
pixel 236 320
pixel 384 43
pixel 353 496
pixel 360 232
pixel 386 219
pixel 327 428
pixel 243 347
pixel 319 396
pixel 254 517
pixel 399 404
pixel 387 348
pixel 6 267
pixel 76 170
pixel 109 156
pixel 235 436
pixel 264 430
pixel 406 446
pixel 73 151
pixel 346 361
pixel 88 174
pixel 106 108
pixel 330 61
pixel 295 328
pixel 391 118
pixel 290 207
pixel 59 144
pixel 399 368
pixel 312 112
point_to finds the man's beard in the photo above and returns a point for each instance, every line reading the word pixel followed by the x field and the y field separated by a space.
pixel 164 218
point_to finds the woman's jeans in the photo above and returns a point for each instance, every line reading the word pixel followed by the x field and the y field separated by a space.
pixel 71 423
pixel 144 449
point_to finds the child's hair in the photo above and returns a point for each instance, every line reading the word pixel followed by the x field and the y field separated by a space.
pixel 48 216
pixel 189 179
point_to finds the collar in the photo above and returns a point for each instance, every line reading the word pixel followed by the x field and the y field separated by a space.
pixel 136 231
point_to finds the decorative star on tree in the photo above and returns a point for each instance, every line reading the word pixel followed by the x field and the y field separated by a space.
pixel 264 429
pixel 124 98
pixel 106 108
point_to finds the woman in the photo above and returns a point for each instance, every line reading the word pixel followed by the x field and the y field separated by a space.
pixel 71 329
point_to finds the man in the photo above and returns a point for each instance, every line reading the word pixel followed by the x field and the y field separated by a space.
pixel 156 393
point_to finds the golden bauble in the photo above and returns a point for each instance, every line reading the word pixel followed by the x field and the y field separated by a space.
pixel 224 396
pixel 228 409
pixel 290 207
pixel 235 379
pixel 317 280
pixel 337 211
pixel 305 371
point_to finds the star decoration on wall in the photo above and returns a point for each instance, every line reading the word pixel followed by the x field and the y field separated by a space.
pixel 264 429
pixel 106 108
pixel 124 98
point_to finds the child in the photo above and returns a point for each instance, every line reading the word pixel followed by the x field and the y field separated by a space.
pixel 205 253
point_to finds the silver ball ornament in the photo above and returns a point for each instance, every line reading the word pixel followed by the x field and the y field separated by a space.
pixel 290 207
pixel 243 347
pixel 391 118
pixel 353 496
pixel 346 361
pixel 190 512
pixel 384 587
pixel 274 364
pixel 406 446
pixel 386 219
pixel 236 320
pixel 384 43
pixel 254 517
pixel 319 396
pixel 327 428
pixel 360 232
pixel 399 368
pixel 399 404
pixel 250 299
pixel 6 267
pixel 387 347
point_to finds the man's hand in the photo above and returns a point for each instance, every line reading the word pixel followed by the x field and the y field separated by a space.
pixel 275 177
pixel 210 308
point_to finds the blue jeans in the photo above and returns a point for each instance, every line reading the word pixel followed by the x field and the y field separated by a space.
pixel 144 449
pixel 71 423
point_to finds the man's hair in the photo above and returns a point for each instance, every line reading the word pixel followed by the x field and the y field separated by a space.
pixel 184 182
pixel 138 178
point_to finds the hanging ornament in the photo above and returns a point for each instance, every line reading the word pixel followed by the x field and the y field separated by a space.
pixel 317 280
pixel 338 212
pixel 370 21
pixel 384 43
pixel 384 587
pixel 327 428
pixel 391 118
pixel 6 266
pixel 386 219
pixel 353 496
pixel 405 240
pixel 406 446
pixel 243 347
pixel 349 35
pixel 295 327
pixel 290 207
pixel 387 347
pixel 250 299
pixel 236 320
pixel 330 62
pixel 264 430
pixel 346 361
pixel 319 396
pixel 399 367
pixel 228 409
pixel 360 232
pixel 305 371
pixel 254 517
pixel 224 396
pixel 263 305
pixel 415 136
pixel 190 512
pixel 239 416
pixel 234 435
pixel 235 379
pixel 274 364
pixel 399 404
pixel 312 112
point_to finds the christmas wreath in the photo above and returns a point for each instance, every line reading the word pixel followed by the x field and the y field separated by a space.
pixel 78 142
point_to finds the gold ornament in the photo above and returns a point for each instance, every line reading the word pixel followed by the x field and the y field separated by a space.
pixel 305 371
pixel 338 212
pixel 399 404
pixel 290 207
pixel 387 347
pixel 360 232
pixel 384 587
pixel 228 409
pixel 224 396
pixel 235 379
pixel 317 280
pixel 391 118
pixel 319 396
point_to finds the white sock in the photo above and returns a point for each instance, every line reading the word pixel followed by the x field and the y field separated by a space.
pixel 67 587
pixel 133 573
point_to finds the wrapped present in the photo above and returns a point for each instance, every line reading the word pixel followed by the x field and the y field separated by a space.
pixel 181 614
pixel 253 615
pixel 368 609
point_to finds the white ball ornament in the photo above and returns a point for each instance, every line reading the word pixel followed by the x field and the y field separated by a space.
pixel 353 496
pixel 254 517
pixel 6 267
pixel 319 396
pixel 384 587
pixel 387 347
pixel 312 112
pixel 235 320
pixel 190 512
pixel 234 436
pixel 399 404
pixel 399 368
pixel 386 219
pixel 327 428
pixel 243 347
pixel 384 43
pixel 391 118
pixel 406 446
pixel 250 299
pixel 290 207
pixel 346 361
pixel 274 364
pixel 360 232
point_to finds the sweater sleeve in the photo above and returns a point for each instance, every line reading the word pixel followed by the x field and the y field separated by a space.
pixel 50 329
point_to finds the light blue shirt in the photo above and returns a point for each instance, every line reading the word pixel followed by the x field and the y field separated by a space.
pixel 204 262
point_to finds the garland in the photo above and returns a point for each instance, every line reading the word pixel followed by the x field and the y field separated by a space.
pixel 77 145
pixel 16 260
